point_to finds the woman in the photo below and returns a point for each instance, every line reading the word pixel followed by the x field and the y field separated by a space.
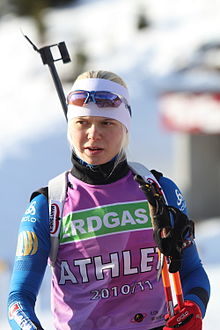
pixel 105 272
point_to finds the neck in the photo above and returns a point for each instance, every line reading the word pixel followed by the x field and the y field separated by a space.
pixel 98 174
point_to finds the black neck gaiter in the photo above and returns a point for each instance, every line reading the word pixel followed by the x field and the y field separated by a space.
pixel 98 174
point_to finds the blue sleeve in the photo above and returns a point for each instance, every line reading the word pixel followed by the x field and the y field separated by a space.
pixel 173 194
pixel 194 279
pixel 30 264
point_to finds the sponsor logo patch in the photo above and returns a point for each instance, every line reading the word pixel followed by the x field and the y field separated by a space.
pixel 105 220
pixel 27 244
pixel 31 209
pixel 13 308
pixel 18 315
pixel 54 218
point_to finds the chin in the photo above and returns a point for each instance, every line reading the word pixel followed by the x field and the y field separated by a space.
pixel 97 162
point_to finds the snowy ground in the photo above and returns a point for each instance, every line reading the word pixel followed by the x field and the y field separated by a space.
pixel 208 237
pixel 32 126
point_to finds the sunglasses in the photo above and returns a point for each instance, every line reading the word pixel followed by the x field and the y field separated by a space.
pixel 103 99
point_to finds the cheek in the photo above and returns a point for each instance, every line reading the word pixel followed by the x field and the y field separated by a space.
pixel 75 137
pixel 117 138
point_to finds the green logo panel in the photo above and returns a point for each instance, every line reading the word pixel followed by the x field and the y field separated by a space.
pixel 105 220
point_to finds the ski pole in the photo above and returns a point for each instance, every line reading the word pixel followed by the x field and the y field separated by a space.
pixel 48 59
pixel 178 289
pixel 157 200
pixel 167 286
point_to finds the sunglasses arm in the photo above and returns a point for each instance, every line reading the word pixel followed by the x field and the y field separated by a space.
pixel 48 59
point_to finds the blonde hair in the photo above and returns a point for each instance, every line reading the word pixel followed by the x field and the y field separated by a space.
pixel 101 74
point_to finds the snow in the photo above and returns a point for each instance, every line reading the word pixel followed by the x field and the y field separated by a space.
pixel 207 237
pixel 32 126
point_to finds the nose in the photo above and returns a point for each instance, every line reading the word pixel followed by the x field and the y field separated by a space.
pixel 94 132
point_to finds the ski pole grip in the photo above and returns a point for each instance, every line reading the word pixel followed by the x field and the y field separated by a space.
pixel 46 55
pixel 47 58
pixel 64 52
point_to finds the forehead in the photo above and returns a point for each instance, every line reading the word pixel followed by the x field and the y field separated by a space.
pixel 95 118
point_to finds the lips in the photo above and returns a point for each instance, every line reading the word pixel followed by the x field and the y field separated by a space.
pixel 94 148
pixel 93 151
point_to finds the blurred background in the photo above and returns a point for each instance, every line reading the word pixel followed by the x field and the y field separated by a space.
pixel 168 52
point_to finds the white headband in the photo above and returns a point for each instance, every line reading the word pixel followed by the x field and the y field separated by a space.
pixel 96 84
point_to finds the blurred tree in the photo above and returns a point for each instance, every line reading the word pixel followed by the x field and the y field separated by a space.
pixel 30 7
pixel 35 8
pixel 4 7
pixel 143 22
pixel 79 63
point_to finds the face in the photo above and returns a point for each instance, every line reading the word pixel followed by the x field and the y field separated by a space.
pixel 96 139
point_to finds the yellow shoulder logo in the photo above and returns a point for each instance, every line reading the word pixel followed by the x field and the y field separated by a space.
pixel 27 244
